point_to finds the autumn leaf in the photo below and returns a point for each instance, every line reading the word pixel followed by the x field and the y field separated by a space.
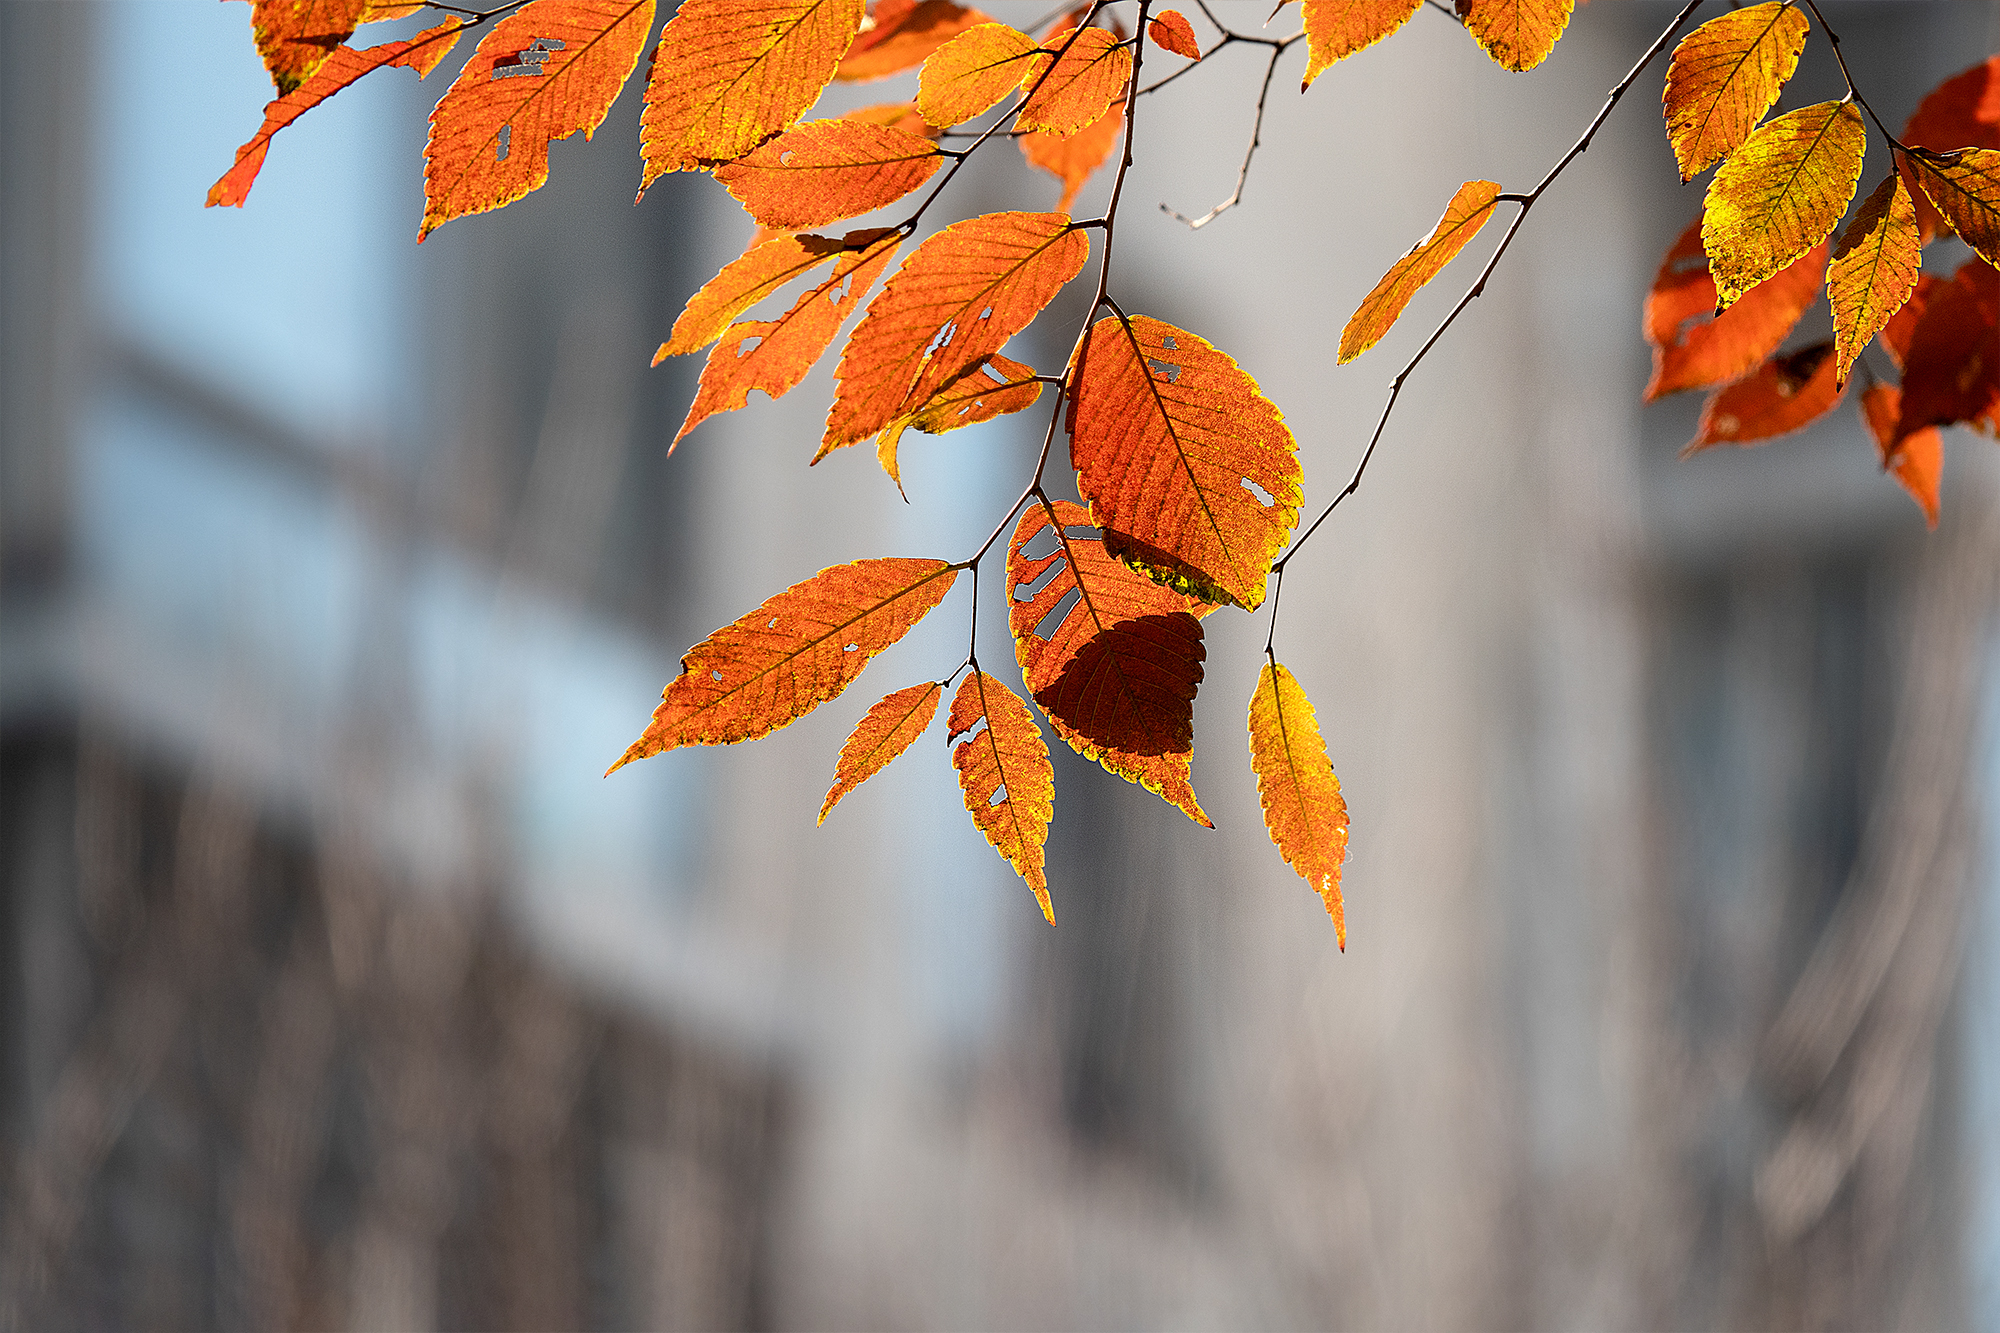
pixel 728 74
pixel 1715 349
pixel 746 280
pixel 1171 31
pixel 1463 217
pixel 885 731
pixel 788 346
pixel 420 53
pixel 1902 325
pixel 957 300
pixel 1072 158
pixel 1336 29
pixel 1303 808
pixel 1724 76
pixel 1004 771
pixel 1874 270
pixel 1518 34
pixel 826 170
pixel 896 116
pixel 1116 671
pixel 1190 470
pixel 793 653
pixel 1089 74
pixel 1917 460
pixel 1965 188
pixel 1781 194
pixel 1961 112
pixel 1786 393
pixel 296 37
pixel 1952 371
pixel 995 387
pixel 547 70
pixel 973 71
pixel 899 34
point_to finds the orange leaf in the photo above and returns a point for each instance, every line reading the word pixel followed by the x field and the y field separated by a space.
pixel 1965 188
pixel 788 346
pixel 1171 31
pixel 895 115
pixel 995 387
pixel 1787 393
pixel 1719 348
pixel 1902 325
pixel 1952 373
pixel 1874 270
pixel 1071 159
pixel 745 281
pixel 296 37
pixel 1463 217
pixel 1089 75
pixel 1004 771
pixel 547 70
pixel 1782 193
pixel 1724 76
pixel 420 53
pixel 1518 34
pixel 885 731
pixel 1116 672
pixel 1961 112
pixel 899 34
pixel 1917 461
pixel 793 653
pixel 973 71
pixel 727 74
pixel 963 293
pixel 1336 29
pixel 1190 470
pixel 826 170
pixel 1303 807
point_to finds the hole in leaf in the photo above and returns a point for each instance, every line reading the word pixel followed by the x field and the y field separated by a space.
pixel 715 675
pixel 987 313
pixel 1264 497
pixel 1046 627
pixel 748 345
pixel 941 339
pixel 773 624
pixel 1170 344
pixel 1168 369
pixel 785 158
pixel 1042 545
pixel 851 648
pixel 998 797
pixel 506 137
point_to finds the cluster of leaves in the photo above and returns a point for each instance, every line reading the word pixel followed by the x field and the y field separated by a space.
pixel 1190 476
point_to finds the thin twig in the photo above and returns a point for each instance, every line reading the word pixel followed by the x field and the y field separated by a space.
pixel 1833 39
pixel 1256 138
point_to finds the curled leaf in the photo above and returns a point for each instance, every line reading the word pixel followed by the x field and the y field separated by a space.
pixel 1781 194
pixel 1518 34
pixel 1915 460
pixel 1693 347
pixel 1188 467
pixel 800 648
pixel 1874 270
pixel 899 34
pixel 744 281
pixel 1171 31
pixel 1336 29
pixel 974 70
pixel 1787 393
pixel 884 731
pixel 1005 774
pixel 995 387
pixel 827 170
pixel 1463 217
pixel 1725 75
pixel 1303 809
pixel 1089 74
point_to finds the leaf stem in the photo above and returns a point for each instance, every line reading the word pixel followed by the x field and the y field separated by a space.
pixel 1256 138
pixel 1833 40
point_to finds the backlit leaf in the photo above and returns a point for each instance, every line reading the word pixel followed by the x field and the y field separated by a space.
pixel 1874 270
pixel 1961 112
pixel 1786 394
pixel 1190 470
pixel 296 37
pixel 1116 672
pixel 896 115
pixel 1005 774
pixel 1952 372
pixel 1336 29
pixel 788 346
pixel 899 35
pixel 973 71
pixel 793 653
pixel 1965 188
pixel 547 70
pixel 1917 460
pixel 885 731
pixel 1902 325
pixel 1089 75
pixel 346 65
pixel 728 74
pixel 1781 194
pixel 995 387
pixel 1171 31
pixel 1072 158
pixel 1724 76
pixel 1463 217
pixel 1303 808
pixel 1715 349
pixel 1518 34
pixel 746 280
pixel 826 170
pixel 957 299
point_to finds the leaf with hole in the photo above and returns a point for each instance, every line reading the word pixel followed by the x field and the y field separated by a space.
pixel 1786 393
pixel 1005 775
pixel 995 387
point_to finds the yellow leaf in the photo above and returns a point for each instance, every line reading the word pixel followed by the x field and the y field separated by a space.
pixel 1089 75
pixel 1965 186
pixel 1463 217
pixel 1873 272
pixel 1004 771
pixel 1518 34
pixel 971 72
pixel 1781 194
pixel 1336 29
pixel 1725 75
pixel 1303 807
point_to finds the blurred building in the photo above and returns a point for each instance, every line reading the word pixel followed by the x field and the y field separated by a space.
pixel 341 991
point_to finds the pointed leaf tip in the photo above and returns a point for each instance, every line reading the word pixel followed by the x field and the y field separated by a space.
pixel 1006 777
pixel 1463 217
pixel 1781 194
pixel 1724 76
pixel 1336 29
pixel 884 732
pixel 1303 809
pixel 1171 31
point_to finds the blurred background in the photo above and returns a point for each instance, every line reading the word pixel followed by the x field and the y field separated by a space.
pixel 342 991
